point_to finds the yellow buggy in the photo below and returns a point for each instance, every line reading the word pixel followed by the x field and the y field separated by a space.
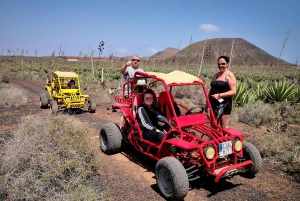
pixel 64 94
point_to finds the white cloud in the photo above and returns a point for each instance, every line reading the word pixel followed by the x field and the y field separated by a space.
pixel 209 28
pixel 122 50
pixel 152 50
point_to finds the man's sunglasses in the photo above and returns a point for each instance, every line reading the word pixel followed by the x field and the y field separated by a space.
pixel 135 60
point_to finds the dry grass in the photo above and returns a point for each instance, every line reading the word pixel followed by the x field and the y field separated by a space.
pixel 55 161
pixel 11 96
pixel 280 149
pixel 256 114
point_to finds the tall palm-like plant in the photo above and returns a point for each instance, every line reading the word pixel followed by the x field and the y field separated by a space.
pixel 281 91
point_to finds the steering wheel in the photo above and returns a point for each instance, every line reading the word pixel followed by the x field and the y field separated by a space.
pixel 194 108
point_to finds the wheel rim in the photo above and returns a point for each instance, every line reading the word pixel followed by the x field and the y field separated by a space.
pixel 165 181
pixel 103 140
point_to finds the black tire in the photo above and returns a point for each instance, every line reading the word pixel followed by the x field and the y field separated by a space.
pixel 171 178
pixel 251 153
pixel 44 101
pixel 53 107
pixel 92 106
pixel 110 138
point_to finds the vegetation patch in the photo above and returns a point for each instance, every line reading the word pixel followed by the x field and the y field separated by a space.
pixel 11 96
pixel 49 158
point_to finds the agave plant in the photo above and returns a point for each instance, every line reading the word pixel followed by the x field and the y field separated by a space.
pixel 297 94
pixel 249 97
pixel 250 82
pixel 243 94
pixel 259 91
pixel 240 91
pixel 281 91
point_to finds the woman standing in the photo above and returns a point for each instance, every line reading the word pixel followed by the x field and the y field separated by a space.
pixel 223 87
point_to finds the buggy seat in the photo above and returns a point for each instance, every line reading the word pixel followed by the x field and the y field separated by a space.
pixel 165 105
pixel 138 100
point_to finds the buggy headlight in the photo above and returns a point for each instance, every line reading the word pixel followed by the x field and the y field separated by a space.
pixel 238 145
pixel 82 99
pixel 209 152
pixel 67 99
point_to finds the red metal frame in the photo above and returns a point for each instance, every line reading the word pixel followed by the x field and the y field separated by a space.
pixel 203 123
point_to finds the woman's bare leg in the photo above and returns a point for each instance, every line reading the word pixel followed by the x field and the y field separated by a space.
pixel 224 120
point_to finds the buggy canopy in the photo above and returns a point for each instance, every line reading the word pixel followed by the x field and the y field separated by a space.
pixel 65 74
pixel 176 77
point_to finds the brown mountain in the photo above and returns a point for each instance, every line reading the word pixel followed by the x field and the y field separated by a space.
pixel 243 52
pixel 169 52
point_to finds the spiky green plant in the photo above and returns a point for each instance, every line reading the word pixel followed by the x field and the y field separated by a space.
pixel 297 94
pixel 250 82
pixel 259 91
pixel 281 91
pixel 243 94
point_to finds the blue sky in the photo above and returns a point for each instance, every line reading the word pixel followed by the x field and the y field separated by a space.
pixel 144 27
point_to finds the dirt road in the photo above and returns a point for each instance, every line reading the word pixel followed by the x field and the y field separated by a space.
pixel 129 175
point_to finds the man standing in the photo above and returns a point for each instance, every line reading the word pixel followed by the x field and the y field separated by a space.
pixel 128 70
pixel 130 67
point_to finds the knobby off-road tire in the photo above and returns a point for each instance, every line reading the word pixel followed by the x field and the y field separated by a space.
pixel 53 107
pixel 92 106
pixel 110 138
pixel 251 153
pixel 171 178
pixel 44 101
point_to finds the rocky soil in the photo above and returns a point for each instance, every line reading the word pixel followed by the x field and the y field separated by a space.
pixel 129 175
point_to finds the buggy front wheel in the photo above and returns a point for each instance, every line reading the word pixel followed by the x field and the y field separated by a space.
pixel 44 101
pixel 53 107
pixel 171 178
pixel 92 106
pixel 250 152
pixel 110 138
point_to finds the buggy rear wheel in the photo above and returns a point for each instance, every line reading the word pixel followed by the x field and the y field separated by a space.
pixel 250 152
pixel 171 178
pixel 53 107
pixel 44 101
pixel 92 106
pixel 110 138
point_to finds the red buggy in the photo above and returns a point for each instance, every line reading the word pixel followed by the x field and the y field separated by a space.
pixel 201 146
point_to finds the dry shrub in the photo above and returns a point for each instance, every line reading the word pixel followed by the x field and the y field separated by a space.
pixel 49 158
pixel 289 113
pixel 257 114
pixel 97 92
pixel 5 79
pixel 11 96
pixel 282 151
pixel 190 96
